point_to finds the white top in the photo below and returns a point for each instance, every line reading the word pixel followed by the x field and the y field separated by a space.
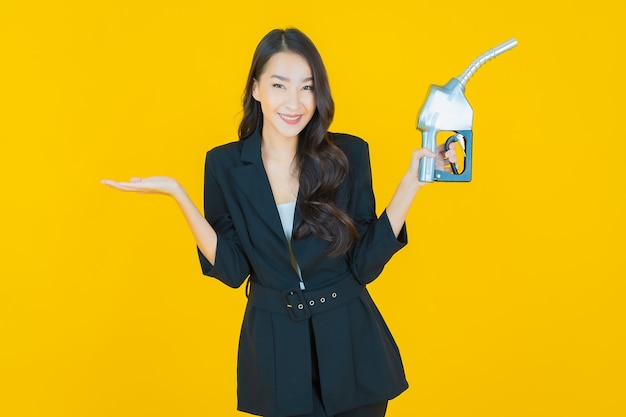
pixel 287 212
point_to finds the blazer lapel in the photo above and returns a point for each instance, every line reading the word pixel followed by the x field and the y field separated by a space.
pixel 253 181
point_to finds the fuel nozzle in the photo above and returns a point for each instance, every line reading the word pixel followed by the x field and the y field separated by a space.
pixel 447 109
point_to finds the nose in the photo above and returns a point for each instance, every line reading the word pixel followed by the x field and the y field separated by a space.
pixel 293 100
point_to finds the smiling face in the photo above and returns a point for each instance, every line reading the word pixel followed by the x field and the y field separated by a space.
pixel 285 92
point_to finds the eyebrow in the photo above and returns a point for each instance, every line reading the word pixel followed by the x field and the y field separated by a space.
pixel 280 77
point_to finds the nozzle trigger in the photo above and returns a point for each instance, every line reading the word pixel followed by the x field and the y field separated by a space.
pixel 457 137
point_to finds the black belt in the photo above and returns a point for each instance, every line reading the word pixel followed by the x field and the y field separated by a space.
pixel 301 304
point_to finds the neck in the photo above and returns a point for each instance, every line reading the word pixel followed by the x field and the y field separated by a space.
pixel 283 149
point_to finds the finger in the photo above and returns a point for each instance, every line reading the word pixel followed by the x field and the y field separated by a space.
pixel 134 185
pixel 452 156
pixel 424 152
pixel 120 187
pixel 112 184
pixel 125 186
pixel 442 148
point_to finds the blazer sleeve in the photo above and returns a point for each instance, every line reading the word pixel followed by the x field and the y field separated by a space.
pixel 377 242
pixel 231 266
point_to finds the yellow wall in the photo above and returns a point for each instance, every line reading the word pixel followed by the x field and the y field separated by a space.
pixel 509 299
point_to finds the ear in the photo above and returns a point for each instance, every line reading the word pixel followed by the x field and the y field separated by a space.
pixel 255 89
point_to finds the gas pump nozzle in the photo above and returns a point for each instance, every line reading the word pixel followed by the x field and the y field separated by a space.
pixel 447 109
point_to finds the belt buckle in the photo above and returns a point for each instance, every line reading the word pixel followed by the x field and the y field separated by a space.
pixel 296 305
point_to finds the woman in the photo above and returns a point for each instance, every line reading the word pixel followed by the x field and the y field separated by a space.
pixel 290 205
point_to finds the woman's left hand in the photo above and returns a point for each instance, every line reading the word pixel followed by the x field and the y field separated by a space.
pixel 402 199
pixel 442 158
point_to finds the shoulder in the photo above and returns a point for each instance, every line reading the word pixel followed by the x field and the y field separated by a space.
pixel 224 150
pixel 353 146
pixel 221 159
pixel 224 155
pixel 345 140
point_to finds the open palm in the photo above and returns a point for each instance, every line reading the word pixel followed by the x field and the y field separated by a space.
pixel 148 185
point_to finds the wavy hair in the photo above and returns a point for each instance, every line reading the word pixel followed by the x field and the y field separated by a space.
pixel 321 165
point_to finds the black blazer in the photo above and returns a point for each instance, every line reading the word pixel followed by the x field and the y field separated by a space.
pixel 359 362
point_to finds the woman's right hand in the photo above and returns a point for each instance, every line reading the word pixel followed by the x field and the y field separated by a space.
pixel 203 232
pixel 150 185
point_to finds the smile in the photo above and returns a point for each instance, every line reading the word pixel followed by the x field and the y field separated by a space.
pixel 290 119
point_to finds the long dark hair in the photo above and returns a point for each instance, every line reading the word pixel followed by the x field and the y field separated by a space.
pixel 322 166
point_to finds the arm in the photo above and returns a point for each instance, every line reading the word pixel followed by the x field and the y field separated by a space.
pixel 203 233
pixel 219 249
pixel 404 195
pixel 230 263
pixel 380 237
pixel 377 241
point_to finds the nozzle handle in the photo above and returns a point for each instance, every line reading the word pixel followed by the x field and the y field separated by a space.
pixel 487 56
pixel 427 164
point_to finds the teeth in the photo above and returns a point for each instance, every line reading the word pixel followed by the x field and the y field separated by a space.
pixel 293 118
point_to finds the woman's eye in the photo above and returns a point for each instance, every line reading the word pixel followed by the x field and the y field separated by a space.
pixel 278 86
pixel 308 87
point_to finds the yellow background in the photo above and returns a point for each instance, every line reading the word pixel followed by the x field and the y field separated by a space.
pixel 509 299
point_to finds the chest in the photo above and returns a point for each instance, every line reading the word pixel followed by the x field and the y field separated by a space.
pixel 283 180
